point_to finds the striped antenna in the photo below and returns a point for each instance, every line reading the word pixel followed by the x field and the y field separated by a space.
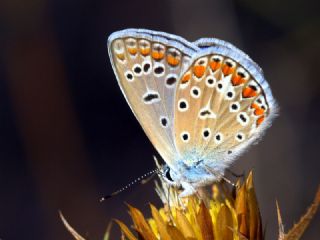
pixel 155 171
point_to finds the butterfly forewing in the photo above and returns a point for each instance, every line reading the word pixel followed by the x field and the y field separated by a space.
pixel 222 104
pixel 148 66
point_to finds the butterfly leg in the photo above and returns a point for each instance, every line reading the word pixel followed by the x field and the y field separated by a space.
pixel 188 190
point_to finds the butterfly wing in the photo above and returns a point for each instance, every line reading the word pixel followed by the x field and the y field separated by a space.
pixel 147 65
pixel 222 104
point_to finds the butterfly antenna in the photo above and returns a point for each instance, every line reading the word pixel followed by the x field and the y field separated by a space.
pixel 142 177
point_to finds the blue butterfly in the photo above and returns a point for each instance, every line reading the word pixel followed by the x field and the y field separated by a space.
pixel 201 104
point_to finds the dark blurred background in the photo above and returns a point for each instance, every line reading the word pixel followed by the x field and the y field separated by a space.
pixel 68 137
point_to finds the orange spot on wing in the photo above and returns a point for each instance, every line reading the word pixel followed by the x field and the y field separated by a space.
pixel 260 120
pixel 120 56
pixel 249 92
pixel 199 71
pixel 237 80
pixel 173 61
pixel 227 70
pixel 258 110
pixel 145 51
pixel 186 78
pixel 157 55
pixel 214 65
pixel 132 51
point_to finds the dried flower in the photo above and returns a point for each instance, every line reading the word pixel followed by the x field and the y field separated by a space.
pixel 223 213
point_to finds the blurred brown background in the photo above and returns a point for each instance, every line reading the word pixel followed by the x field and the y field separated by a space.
pixel 67 135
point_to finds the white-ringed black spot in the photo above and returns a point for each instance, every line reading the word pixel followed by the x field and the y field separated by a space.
pixel 129 76
pixel 164 121
pixel 217 58
pixel 151 97
pixel 158 70
pixel 243 118
pixel 234 107
pixel 220 85
pixel 195 92
pixel 137 69
pixel 206 133
pixel 218 138
pixel 242 73
pixel 146 67
pixel 230 94
pixel 185 136
pixel 210 81
pixel 171 80
pixel 229 151
pixel 239 137
pixel 206 113
pixel 254 88
pixel 183 105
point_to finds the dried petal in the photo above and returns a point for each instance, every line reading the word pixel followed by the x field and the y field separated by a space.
pixel 141 224
pixel 76 235
pixel 125 230
pixel 184 225
pixel 161 226
pixel 298 229
pixel 174 233
pixel 224 224
pixel 205 222
pixel 255 226
pixel 280 224
pixel 241 210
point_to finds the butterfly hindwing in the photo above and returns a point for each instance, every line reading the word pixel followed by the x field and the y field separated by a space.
pixel 222 104
pixel 148 65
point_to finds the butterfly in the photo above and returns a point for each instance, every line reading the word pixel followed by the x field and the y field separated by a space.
pixel 200 103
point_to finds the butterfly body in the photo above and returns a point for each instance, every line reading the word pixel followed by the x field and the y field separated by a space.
pixel 201 104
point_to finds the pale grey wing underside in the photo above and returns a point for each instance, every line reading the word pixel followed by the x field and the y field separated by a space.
pixel 148 65
pixel 223 104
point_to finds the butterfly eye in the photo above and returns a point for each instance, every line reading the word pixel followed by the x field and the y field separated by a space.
pixel 185 136
pixel 243 118
pixel 240 137
pixel 234 107
pixel 167 174
pixel 195 92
